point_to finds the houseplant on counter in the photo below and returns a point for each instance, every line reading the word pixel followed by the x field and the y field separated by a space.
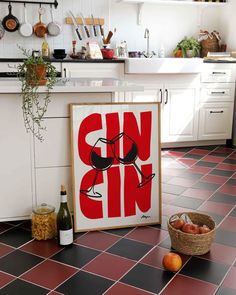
pixel 189 47
pixel 33 72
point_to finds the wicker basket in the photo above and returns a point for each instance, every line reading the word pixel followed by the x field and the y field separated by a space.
pixel 209 45
pixel 191 244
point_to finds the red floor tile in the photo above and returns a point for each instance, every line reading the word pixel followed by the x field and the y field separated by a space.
pixel 187 162
pixel 213 159
pixel 197 193
pixel 97 240
pixel 110 266
pixel 230 281
pixel 221 253
pixel 222 149
pixel 228 189
pixel 200 169
pixel 148 235
pixel 229 224
pixel 168 198
pixel 155 257
pixel 42 248
pixel 4 250
pixel 174 154
pixel 5 279
pixel 122 289
pixel 215 207
pixel 182 181
pixel 214 179
pixel 197 151
pixel 49 274
pixel 185 285
pixel 224 166
pixel 234 176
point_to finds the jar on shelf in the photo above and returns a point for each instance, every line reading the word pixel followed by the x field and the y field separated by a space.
pixel 44 222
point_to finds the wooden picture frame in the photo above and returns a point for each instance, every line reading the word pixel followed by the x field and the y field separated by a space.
pixel 116 165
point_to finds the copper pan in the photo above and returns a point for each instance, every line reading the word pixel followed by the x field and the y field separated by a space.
pixel 40 29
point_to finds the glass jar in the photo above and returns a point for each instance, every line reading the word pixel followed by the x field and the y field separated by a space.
pixel 44 222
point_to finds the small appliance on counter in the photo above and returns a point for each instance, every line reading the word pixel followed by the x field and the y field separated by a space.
pixel 59 53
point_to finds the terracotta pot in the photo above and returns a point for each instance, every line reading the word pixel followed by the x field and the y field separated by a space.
pixel 36 74
pixel 179 53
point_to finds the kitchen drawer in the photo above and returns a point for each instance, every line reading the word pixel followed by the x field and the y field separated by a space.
pixel 218 73
pixel 218 92
pixel 215 121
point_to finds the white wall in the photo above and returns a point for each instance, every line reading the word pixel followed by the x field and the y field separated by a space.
pixel 167 24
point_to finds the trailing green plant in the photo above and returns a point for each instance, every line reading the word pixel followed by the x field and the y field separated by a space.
pixel 188 44
pixel 34 105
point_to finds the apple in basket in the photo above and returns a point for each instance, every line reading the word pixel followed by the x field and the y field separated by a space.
pixel 190 228
pixel 178 223
pixel 204 229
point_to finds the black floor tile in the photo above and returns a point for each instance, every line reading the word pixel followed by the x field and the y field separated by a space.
pixel 16 237
pixel 186 202
pixel 166 244
pixel 222 172
pixel 18 262
pixel 85 283
pixel 76 256
pixel 207 147
pixel 183 149
pixel 120 231
pixel 225 291
pixel 193 156
pixel 230 161
pixel 205 270
pixel 206 164
pixel 225 237
pixel 173 189
pixel 19 287
pixel 147 278
pixel 233 213
pixel 217 218
pixel 206 186
pixel 220 154
pixel 4 226
pixel 231 182
pixel 223 198
pixel 129 249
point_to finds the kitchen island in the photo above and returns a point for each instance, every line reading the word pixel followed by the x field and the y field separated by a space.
pixel 31 172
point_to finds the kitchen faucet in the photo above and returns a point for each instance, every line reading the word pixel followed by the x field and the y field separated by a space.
pixel 147 53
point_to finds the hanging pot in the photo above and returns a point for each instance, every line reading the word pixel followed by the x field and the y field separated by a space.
pixel 54 29
pixel 2 31
pixel 25 29
pixel 10 22
pixel 40 29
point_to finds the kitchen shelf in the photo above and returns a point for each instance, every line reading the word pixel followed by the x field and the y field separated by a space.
pixel 175 2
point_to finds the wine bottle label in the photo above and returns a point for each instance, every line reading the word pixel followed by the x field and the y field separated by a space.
pixel 63 198
pixel 66 237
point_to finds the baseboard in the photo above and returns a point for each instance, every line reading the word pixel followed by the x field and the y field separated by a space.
pixel 193 143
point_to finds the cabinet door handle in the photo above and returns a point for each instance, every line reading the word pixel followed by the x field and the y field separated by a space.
pixel 218 73
pixel 161 95
pixel 216 112
pixel 217 92
pixel 64 72
pixel 166 96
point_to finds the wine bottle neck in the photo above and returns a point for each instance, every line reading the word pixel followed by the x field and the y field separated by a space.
pixel 63 198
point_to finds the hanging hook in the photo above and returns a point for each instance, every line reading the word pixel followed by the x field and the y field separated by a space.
pixel 24 4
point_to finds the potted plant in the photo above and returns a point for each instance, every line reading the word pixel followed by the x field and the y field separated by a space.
pixel 33 72
pixel 190 47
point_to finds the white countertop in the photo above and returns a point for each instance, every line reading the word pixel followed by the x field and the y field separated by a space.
pixel 76 85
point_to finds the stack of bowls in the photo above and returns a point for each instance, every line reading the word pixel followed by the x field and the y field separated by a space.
pixel 59 53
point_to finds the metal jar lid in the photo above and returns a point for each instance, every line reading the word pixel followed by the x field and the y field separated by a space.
pixel 43 209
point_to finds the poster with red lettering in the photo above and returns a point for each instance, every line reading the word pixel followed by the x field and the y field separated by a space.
pixel 115 165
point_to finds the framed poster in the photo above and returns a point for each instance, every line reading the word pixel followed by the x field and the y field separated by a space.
pixel 115 165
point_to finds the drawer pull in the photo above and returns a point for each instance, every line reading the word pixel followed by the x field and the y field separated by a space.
pixel 167 96
pixel 218 92
pixel 216 112
pixel 218 73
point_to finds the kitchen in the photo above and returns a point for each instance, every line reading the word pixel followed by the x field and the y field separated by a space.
pixel 167 23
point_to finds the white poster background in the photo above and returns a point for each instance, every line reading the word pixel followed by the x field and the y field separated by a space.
pixel 78 114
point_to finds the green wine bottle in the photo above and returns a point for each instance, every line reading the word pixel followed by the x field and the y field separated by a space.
pixel 64 221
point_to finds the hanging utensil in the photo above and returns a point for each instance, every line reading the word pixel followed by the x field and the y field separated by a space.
pixel 54 28
pixel 75 25
pixel 94 26
pixel 101 28
pixel 84 25
pixel 10 22
pixel 2 31
pixel 26 28
pixel 40 29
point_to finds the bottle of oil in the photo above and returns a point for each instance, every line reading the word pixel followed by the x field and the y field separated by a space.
pixel 45 49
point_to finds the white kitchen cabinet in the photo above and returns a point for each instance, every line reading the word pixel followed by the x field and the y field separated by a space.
pixel 215 121
pixel 179 97
pixel 15 159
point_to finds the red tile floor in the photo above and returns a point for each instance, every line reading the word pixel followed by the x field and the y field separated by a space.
pixel 129 261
